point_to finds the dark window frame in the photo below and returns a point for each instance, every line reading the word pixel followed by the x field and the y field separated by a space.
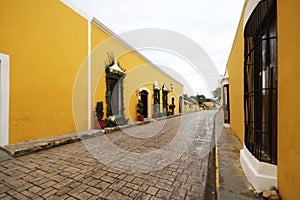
pixel 260 82
pixel 226 103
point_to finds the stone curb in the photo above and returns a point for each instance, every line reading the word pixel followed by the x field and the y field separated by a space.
pixel 24 148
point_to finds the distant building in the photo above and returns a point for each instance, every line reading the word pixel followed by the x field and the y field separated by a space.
pixel 190 104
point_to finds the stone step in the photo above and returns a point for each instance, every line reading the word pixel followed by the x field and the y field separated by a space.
pixel 4 155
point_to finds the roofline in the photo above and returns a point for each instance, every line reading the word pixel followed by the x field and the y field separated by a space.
pixel 235 35
pixel 104 28
pixel 76 9
pixel 101 26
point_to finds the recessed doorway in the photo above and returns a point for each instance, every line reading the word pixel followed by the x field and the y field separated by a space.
pixel 144 98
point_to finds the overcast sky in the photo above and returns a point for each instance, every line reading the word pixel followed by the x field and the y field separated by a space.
pixel 212 24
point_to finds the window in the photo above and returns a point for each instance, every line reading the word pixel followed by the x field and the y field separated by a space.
pixel 260 82
pixel 114 88
pixel 156 105
pixel 226 104
pixel 165 92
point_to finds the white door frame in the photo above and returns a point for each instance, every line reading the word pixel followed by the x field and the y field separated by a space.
pixel 4 99
pixel 148 100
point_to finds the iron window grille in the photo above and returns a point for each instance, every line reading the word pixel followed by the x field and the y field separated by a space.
pixel 260 82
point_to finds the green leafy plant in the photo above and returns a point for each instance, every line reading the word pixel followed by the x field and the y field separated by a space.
pixel 110 123
pixel 121 120
pixel 107 98
pixel 156 108
pixel 99 110
pixel 160 114
pixel 140 108
pixel 172 106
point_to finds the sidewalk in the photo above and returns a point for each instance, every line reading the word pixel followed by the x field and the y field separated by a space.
pixel 15 150
pixel 233 183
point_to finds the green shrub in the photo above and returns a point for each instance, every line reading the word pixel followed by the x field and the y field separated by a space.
pixel 99 110
pixel 110 123
pixel 171 106
pixel 121 120
pixel 160 114
pixel 117 121
pixel 140 107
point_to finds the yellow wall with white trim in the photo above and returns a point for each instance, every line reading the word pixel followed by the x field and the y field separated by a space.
pixel 288 80
pixel 46 42
pixel 235 67
pixel 139 73
pixel 48 46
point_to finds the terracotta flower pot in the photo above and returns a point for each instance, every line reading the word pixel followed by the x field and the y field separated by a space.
pixel 140 117
pixel 102 123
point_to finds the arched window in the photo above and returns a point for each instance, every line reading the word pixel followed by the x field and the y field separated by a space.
pixel 260 82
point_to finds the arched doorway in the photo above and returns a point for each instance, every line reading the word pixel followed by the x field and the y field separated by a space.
pixel 144 99
pixel 180 104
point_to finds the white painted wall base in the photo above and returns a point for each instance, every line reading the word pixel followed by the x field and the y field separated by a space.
pixel 260 174
pixel 226 125
pixel 4 99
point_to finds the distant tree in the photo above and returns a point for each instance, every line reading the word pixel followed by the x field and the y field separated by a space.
pixel 201 99
pixel 194 97
pixel 217 95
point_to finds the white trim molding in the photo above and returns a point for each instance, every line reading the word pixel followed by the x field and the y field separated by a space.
pixel 225 125
pixel 148 99
pixel 225 78
pixel 224 81
pixel 4 99
pixel 260 174
pixel 249 10
pixel 113 35
pixel 89 62
pixel 144 88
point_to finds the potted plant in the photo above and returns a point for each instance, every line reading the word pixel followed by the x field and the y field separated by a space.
pixel 140 111
pixel 156 110
pixel 99 114
pixel 160 114
pixel 171 107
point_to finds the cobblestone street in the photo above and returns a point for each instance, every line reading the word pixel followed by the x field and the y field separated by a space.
pixel 166 159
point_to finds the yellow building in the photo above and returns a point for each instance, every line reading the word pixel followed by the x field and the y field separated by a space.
pixel 53 72
pixel 190 104
pixel 263 73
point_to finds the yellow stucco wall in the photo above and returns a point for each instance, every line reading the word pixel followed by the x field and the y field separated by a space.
pixel 288 77
pixel 144 76
pixel 288 98
pixel 191 108
pixel 48 46
pixel 46 42
pixel 235 67
pixel 139 73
